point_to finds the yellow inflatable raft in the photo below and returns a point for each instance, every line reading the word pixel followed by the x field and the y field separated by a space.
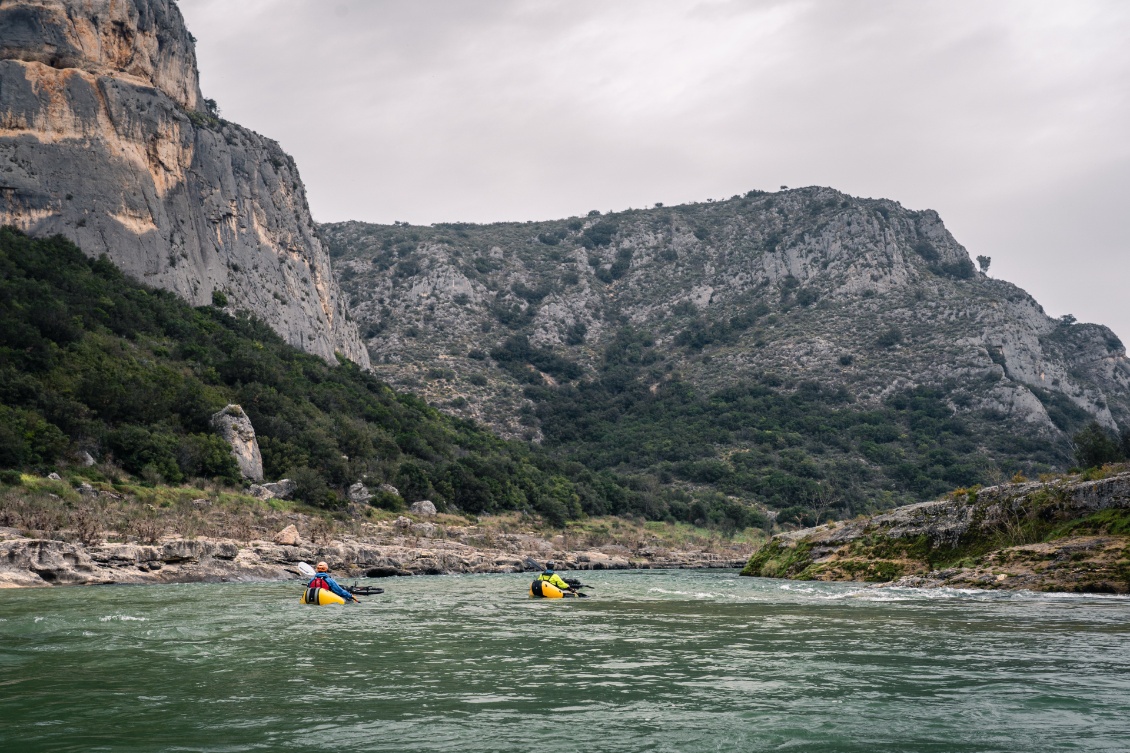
pixel 321 597
pixel 546 590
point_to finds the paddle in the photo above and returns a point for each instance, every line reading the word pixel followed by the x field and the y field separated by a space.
pixel 364 590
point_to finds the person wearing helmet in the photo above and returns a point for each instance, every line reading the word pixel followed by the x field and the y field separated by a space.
pixel 323 579
pixel 554 579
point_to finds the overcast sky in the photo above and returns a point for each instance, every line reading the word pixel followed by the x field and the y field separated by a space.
pixel 1011 118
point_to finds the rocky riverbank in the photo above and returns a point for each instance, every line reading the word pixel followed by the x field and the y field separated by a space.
pixel 397 548
pixel 1064 534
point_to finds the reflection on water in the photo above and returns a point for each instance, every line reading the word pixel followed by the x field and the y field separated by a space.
pixel 655 661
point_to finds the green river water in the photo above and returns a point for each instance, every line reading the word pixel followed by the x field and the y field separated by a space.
pixel 686 661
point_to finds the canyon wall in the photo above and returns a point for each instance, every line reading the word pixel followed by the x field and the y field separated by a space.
pixel 106 139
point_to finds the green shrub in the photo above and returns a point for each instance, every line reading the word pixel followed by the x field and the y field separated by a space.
pixel 1094 447
pixel 388 501
pixel 889 338
pixel 311 488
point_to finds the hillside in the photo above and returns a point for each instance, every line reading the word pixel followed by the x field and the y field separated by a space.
pixel 806 349
pixel 92 362
pixel 106 139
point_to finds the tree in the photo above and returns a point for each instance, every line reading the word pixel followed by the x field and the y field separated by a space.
pixel 1095 447
pixel 983 262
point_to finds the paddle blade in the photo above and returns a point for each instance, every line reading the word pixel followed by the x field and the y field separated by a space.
pixel 364 590
pixel 306 570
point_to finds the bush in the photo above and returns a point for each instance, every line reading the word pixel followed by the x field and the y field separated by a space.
pixel 599 234
pixel 144 452
pixel 413 482
pixel 312 489
pixel 388 501
pixel 28 440
pixel 961 269
pixel 207 456
pixel 889 338
pixel 1094 447
pixel 926 250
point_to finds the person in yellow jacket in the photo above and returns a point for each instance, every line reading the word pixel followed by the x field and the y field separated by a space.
pixel 554 579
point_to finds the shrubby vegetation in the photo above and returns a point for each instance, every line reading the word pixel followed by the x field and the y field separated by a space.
pixel 1095 447
pixel 804 449
pixel 92 361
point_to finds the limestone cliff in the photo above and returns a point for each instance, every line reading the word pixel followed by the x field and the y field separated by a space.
pixel 105 139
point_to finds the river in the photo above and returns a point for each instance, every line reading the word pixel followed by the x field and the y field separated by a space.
pixel 686 661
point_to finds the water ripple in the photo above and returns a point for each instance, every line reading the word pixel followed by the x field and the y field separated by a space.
pixel 654 661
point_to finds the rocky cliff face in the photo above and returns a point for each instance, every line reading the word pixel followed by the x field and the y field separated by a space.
pixel 104 138
pixel 808 284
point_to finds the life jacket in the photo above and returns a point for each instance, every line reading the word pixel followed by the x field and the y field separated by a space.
pixel 547 575
pixel 319 582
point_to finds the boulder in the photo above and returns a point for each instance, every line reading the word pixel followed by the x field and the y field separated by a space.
pixel 359 493
pixel 423 507
pixel 283 488
pixel 54 476
pixel 260 492
pixel 288 536
pixel 388 489
pixel 233 425
pixel 85 459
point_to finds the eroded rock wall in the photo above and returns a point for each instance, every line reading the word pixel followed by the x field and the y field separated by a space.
pixel 103 139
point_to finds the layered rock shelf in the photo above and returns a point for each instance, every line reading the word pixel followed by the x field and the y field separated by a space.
pixel 411 549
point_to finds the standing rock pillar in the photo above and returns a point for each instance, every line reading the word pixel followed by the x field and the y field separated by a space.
pixel 235 427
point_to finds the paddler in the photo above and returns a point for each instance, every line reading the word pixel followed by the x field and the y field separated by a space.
pixel 323 579
pixel 554 579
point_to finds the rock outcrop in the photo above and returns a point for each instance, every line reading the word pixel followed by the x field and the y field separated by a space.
pixel 233 425
pixel 281 489
pixel 106 139
pixel 1063 535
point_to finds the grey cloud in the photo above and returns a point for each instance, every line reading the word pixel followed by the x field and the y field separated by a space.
pixel 1009 118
